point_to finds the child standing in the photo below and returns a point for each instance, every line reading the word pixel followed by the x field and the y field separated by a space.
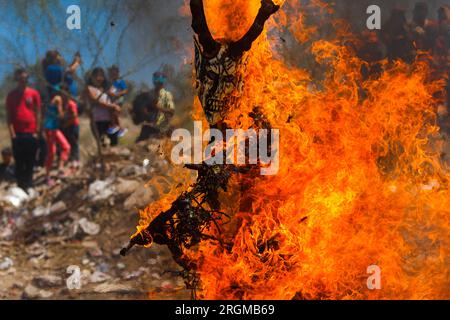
pixel 71 127
pixel 53 117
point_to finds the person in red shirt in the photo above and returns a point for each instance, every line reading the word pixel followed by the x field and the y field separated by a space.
pixel 23 105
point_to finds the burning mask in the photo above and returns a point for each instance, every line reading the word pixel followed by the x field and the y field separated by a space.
pixel 220 66
pixel 219 82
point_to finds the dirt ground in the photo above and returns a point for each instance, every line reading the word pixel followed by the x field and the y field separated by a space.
pixel 40 239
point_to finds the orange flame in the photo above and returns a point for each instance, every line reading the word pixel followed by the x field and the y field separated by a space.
pixel 358 183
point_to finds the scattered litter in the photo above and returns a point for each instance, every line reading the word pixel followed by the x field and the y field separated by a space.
pixel 85 277
pixel 140 198
pixel 89 227
pixel 41 211
pixel 58 207
pixel 113 288
pixel 124 187
pixel 31 292
pixel 6 263
pixel 7 232
pixel 134 274
pixel 98 277
pixel 89 244
pixel 132 170
pixel 32 194
pixel 122 152
pixel 36 250
pixel 95 252
pixel 16 197
pixel 51 235
pixel 47 281
pixel 103 267
pixel 156 275
pixel 101 189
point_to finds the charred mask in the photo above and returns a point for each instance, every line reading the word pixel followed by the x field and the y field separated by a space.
pixel 220 66
pixel 219 82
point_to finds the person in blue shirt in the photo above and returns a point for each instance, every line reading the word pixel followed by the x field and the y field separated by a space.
pixel 53 71
pixel 55 74
pixel 117 93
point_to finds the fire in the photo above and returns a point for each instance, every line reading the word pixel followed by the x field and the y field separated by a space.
pixel 359 183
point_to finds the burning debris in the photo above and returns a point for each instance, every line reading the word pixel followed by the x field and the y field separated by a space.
pixel 183 226
pixel 348 141
pixel 220 68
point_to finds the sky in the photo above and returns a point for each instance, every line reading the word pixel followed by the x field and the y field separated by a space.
pixel 25 41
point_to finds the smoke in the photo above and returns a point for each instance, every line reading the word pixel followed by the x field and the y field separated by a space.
pixel 158 29
pixel 355 10
pixel 161 29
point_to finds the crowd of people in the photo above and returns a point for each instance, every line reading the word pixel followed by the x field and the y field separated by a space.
pixel 400 39
pixel 45 127
pixel 421 39
pixel 43 130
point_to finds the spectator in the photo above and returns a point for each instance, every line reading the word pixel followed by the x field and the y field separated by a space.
pixel 71 127
pixel 143 113
pixel 101 105
pixel 117 92
pixel 23 106
pixel 441 47
pixel 53 70
pixel 160 105
pixel 164 102
pixel 69 76
pixel 41 152
pixel 397 37
pixel 441 54
pixel 422 29
pixel 371 51
pixel 7 170
pixel 53 117
pixel 55 74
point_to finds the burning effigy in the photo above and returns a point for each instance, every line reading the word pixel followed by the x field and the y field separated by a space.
pixel 358 183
